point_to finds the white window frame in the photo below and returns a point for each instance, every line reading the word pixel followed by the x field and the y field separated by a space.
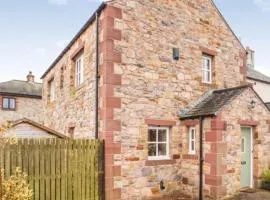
pixel 52 90
pixel 205 69
pixel 79 70
pixel 192 130
pixel 9 107
pixel 167 142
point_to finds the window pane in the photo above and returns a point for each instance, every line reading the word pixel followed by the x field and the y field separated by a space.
pixel 243 145
pixel 12 103
pixel 5 103
pixel 152 150
pixel 162 149
pixel 162 135
pixel 208 76
pixel 208 65
pixel 192 146
pixel 152 135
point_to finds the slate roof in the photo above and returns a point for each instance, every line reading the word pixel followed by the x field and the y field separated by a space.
pixel 212 102
pixel 21 88
pixel 268 105
pixel 256 75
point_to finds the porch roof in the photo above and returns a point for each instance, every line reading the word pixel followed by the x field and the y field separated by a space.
pixel 211 102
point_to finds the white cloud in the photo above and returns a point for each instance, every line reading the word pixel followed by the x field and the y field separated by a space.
pixel 58 2
pixel 263 4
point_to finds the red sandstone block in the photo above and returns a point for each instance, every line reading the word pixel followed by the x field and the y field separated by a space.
pixel 112 148
pixel 220 147
pixel 107 90
pixel 113 171
pixel 106 114
pixel 106 22
pixel 106 45
pixel 112 125
pixel 155 190
pixel 208 51
pixel 158 122
pixel 218 125
pixel 176 156
pixel 113 12
pixel 140 147
pixel 113 34
pixel 113 102
pixel 112 57
pixel 109 159
pixel 231 171
pixel 114 79
pixel 107 68
pixel 132 158
pixel 191 122
pixel 117 194
pixel 248 122
pixel 218 169
pixel 211 158
pixel 190 157
pixel 213 180
pixel 213 136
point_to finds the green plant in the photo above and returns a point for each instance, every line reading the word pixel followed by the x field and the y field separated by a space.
pixel 266 175
pixel 16 187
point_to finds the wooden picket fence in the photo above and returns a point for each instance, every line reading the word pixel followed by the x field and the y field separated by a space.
pixel 58 169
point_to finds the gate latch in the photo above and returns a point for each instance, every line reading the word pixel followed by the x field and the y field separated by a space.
pixel 243 162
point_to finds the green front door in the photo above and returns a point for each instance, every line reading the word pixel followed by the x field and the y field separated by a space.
pixel 246 151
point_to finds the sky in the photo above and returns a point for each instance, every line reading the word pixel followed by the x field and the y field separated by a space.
pixel 33 33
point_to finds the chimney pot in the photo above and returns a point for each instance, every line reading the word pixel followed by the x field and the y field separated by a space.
pixel 30 77
pixel 250 58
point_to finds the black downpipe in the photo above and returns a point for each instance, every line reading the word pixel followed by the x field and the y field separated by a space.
pixel 201 159
pixel 97 76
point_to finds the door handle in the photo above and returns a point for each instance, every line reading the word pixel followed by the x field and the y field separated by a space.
pixel 243 162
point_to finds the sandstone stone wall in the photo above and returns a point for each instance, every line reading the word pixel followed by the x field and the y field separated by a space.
pixel 154 86
pixel 25 108
pixel 74 107
pixel 236 115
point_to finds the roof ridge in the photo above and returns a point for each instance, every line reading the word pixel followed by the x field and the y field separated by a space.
pixel 19 81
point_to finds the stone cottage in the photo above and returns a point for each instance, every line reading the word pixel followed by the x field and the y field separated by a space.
pixel 163 82
pixel 21 99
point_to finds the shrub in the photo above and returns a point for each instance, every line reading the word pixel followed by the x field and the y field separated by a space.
pixel 266 176
pixel 16 187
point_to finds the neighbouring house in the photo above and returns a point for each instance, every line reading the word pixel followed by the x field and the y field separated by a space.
pixel 21 99
pixel 26 128
pixel 164 84
pixel 261 82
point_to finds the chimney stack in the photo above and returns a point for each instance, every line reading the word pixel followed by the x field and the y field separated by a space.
pixel 30 77
pixel 250 58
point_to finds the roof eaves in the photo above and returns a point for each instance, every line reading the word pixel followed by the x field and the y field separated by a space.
pixel 85 26
pixel 21 95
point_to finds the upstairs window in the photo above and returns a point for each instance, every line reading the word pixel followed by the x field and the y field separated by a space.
pixel 192 141
pixel 79 70
pixel 158 143
pixel 207 62
pixel 51 88
pixel 9 103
